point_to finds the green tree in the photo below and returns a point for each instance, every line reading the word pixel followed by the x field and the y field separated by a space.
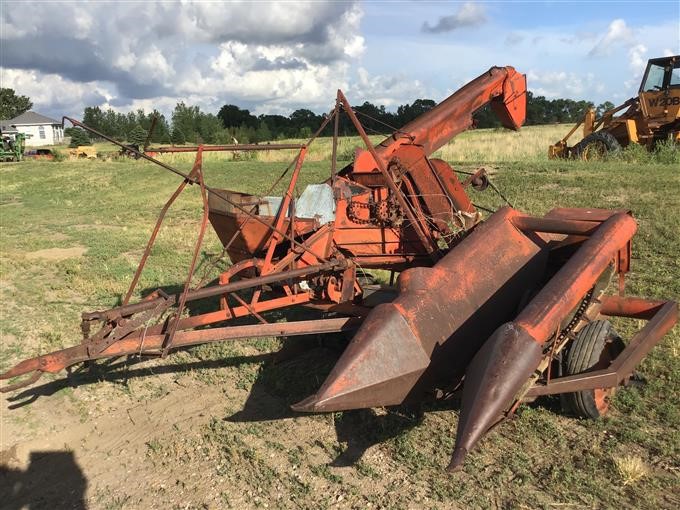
pixel 177 136
pixel 187 119
pixel 209 127
pixel 263 134
pixel 12 105
pixel 93 116
pixel 79 137
pixel 137 136
pixel 606 106
pixel 407 112
pixel 232 117
pixel 161 132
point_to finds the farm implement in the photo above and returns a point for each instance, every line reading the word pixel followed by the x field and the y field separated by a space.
pixel 12 146
pixel 499 310
pixel 650 117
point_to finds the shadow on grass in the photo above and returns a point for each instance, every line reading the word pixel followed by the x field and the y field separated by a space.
pixel 120 370
pixel 287 376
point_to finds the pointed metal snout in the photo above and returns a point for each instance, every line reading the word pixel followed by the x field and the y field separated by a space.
pixel 383 357
pixel 441 317
pixel 504 364
pixel 496 374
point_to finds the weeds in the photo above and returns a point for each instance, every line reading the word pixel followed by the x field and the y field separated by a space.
pixel 665 152
pixel 631 468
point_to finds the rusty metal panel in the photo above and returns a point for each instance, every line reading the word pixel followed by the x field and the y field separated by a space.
pixel 441 318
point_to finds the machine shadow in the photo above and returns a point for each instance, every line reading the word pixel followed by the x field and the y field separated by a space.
pixel 297 371
pixel 282 382
pixel 52 479
pixel 287 376
pixel 120 370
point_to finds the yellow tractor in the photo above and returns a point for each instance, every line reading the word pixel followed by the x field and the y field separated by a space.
pixel 651 116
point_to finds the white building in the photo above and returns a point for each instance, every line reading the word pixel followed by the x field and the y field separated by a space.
pixel 39 130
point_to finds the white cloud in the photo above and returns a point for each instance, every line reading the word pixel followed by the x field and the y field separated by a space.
pixel 387 90
pixel 470 14
pixel 618 34
pixel 560 84
pixel 637 62
pixel 212 51
pixel 61 94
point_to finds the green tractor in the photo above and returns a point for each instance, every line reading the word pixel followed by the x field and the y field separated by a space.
pixel 12 147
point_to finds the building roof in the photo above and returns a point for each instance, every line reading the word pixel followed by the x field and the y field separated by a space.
pixel 6 127
pixel 27 118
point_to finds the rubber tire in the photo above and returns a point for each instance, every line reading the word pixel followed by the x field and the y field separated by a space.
pixel 610 144
pixel 584 353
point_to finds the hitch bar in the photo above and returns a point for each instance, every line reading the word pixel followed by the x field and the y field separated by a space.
pixel 153 344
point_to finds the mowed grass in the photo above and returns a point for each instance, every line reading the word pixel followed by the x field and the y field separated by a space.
pixel 542 459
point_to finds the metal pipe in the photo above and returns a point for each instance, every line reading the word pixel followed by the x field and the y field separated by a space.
pixel 563 292
pixel 216 290
pixel 452 116
pixel 229 147
pixel 59 360
pixel 630 307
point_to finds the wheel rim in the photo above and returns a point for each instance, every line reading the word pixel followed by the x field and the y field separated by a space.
pixel 595 151
pixel 603 396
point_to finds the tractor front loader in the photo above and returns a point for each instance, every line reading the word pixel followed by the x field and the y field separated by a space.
pixel 502 309
pixel 12 146
pixel 652 116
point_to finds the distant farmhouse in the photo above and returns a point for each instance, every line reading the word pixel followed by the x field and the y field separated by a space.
pixel 39 130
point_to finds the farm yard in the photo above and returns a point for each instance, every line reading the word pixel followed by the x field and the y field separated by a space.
pixel 210 426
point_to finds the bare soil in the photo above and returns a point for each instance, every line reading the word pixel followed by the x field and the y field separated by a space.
pixel 57 254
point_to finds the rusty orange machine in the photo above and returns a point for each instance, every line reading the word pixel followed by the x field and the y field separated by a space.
pixel 501 310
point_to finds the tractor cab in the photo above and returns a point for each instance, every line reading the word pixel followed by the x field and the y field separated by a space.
pixel 660 90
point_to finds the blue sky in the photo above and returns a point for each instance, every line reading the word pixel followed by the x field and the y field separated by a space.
pixel 274 57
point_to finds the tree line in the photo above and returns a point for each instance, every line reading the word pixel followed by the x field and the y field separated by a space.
pixel 232 124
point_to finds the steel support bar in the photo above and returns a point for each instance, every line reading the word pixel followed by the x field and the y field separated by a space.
pixel 216 290
pixel 623 365
pixel 152 344
pixel 230 147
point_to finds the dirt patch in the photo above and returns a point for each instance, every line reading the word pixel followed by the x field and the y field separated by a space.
pixel 57 254
pixel 58 237
pixel 133 257
pixel 97 226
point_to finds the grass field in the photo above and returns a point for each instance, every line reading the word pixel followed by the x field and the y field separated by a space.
pixel 209 427
pixel 476 146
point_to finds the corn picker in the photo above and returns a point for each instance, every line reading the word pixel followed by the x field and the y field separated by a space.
pixel 500 311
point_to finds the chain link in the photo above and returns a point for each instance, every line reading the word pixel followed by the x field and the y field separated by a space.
pixel 384 213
